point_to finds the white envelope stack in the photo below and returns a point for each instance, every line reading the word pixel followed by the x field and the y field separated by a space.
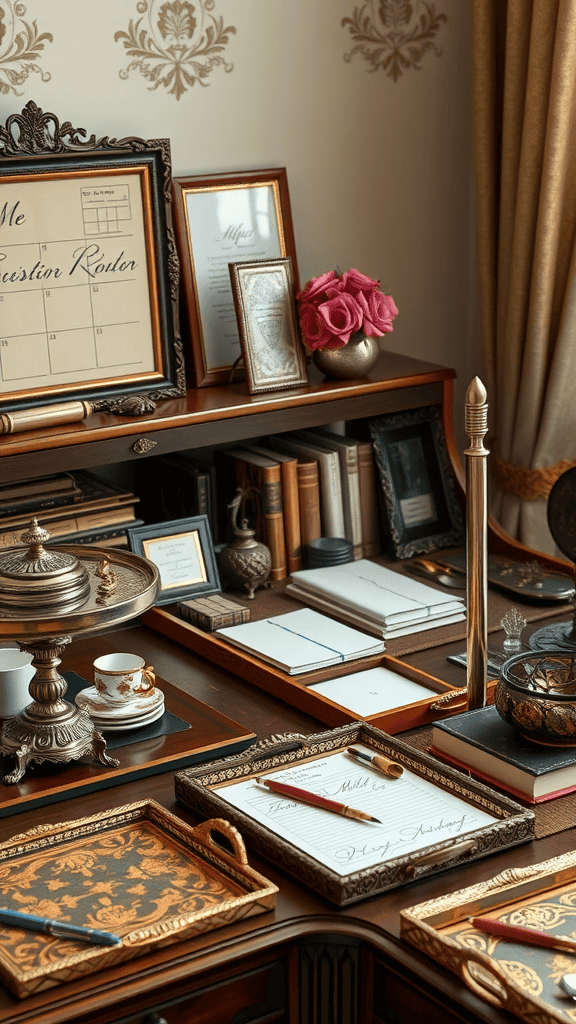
pixel 376 599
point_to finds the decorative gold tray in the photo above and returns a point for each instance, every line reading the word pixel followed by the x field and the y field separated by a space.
pixel 212 789
pixel 514 976
pixel 136 871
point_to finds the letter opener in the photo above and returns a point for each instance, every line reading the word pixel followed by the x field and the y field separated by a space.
pixel 316 800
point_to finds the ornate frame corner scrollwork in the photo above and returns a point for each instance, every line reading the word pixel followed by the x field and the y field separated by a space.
pixel 105 191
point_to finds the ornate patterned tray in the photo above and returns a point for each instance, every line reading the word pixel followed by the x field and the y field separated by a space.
pixel 136 871
pixel 514 976
pixel 344 879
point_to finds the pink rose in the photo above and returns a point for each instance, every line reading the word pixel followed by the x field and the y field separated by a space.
pixel 378 311
pixel 343 317
pixel 356 283
pixel 316 287
pixel 313 327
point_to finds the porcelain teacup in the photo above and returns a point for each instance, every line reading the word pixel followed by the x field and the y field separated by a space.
pixel 122 678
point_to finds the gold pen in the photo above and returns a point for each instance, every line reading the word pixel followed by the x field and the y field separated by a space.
pixel 391 769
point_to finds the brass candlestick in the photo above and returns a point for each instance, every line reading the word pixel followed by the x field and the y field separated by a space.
pixel 476 543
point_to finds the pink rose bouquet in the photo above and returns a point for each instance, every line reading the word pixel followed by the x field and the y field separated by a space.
pixel 332 308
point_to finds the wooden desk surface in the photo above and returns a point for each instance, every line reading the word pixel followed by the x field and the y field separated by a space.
pixel 299 913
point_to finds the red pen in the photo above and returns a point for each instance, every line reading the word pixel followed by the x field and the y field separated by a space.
pixel 315 800
pixel 522 933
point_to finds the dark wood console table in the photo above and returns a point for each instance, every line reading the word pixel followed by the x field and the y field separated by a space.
pixel 303 963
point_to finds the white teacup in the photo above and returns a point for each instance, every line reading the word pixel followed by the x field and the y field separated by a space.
pixel 16 672
pixel 121 678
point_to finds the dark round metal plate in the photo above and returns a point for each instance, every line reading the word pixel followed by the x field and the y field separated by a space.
pixel 561 512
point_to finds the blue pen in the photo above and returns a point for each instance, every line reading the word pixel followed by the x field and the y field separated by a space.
pixel 57 928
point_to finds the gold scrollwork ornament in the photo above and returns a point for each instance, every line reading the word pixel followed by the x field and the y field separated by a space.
pixel 175 43
pixel 20 48
pixel 394 34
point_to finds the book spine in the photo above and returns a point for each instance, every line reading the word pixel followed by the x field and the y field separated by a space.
pixel 71 524
pixel 309 501
pixel 331 508
pixel 291 510
pixel 33 505
pixel 351 500
pixel 268 481
pixel 368 499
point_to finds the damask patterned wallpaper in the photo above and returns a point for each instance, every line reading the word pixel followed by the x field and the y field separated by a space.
pixel 365 102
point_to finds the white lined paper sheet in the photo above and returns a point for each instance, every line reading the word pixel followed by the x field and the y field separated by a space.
pixel 414 812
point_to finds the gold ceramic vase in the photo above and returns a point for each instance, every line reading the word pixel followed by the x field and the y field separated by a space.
pixel 354 360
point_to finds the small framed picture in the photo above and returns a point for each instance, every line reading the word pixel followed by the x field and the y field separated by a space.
pixel 221 219
pixel 418 488
pixel 274 356
pixel 183 552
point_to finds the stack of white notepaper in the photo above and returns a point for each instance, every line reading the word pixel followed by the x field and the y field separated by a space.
pixel 378 600
pixel 301 641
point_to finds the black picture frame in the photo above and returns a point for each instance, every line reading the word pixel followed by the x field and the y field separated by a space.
pixel 88 268
pixel 185 548
pixel 416 478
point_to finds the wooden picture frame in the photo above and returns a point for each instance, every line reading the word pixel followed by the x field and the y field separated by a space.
pixel 274 357
pixel 183 553
pixel 417 485
pixel 222 219
pixel 88 268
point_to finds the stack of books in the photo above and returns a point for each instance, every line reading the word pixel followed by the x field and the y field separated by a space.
pixel 74 508
pixel 310 484
pixel 482 743
pixel 383 602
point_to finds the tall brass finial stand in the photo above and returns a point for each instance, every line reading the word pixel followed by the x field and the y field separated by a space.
pixel 476 543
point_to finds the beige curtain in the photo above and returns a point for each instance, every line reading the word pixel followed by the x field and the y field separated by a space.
pixel 524 61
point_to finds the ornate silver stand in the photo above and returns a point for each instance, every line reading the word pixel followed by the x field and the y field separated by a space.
pixel 47 597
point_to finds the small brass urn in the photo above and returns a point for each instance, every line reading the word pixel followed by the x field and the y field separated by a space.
pixel 244 564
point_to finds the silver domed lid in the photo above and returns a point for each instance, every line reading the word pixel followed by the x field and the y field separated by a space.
pixel 34 577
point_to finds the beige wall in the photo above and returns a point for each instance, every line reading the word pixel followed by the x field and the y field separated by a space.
pixel 379 170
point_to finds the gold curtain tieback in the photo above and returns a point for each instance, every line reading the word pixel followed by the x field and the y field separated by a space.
pixel 524 483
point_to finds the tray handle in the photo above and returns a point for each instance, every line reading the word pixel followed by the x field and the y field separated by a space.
pixel 486 979
pixel 208 832
pixel 451 701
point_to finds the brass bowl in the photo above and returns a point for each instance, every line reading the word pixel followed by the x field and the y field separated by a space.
pixel 536 693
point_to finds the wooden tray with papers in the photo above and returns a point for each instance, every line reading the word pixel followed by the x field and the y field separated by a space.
pixel 436 699
pixel 428 819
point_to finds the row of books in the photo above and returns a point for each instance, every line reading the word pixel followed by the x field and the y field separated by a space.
pixel 75 508
pixel 309 484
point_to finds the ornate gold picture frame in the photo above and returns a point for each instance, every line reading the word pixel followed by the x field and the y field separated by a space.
pixel 88 268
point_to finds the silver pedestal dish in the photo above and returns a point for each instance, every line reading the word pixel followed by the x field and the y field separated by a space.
pixel 48 596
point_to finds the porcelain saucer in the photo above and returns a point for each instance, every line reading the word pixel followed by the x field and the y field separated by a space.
pixel 136 723
pixel 99 709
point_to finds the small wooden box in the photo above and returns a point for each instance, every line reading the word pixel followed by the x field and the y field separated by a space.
pixel 215 612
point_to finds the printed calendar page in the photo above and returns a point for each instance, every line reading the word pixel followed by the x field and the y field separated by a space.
pixel 75 302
